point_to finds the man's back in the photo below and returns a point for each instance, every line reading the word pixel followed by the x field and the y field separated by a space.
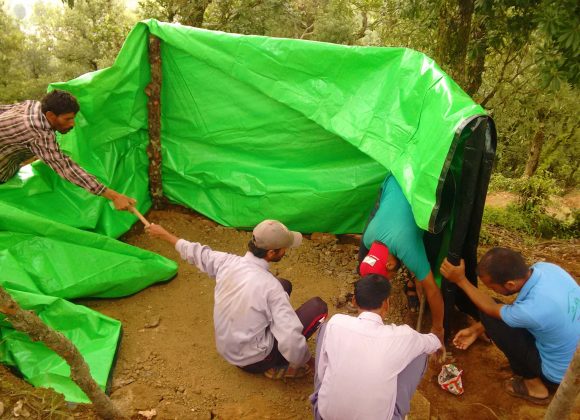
pixel 394 225
pixel 18 125
pixel 360 359
pixel 242 312
pixel 251 307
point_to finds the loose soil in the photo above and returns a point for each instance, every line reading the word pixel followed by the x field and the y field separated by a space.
pixel 167 360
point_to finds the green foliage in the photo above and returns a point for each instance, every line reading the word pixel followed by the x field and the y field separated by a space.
pixel 11 48
pixel 534 193
pixel 186 12
pixel 560 49
pixel 529 214
pixel 86 37
pixel 532 224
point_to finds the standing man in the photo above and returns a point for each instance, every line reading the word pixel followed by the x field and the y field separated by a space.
pixel 28 128
pixel 392 237
pixel 256 328
pixel 365 369
pixel 538 333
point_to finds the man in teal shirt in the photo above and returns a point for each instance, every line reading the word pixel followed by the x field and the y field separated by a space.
pixel 391 237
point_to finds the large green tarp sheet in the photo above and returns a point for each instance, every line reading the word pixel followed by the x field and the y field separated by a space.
pixel 256 127
pixel 252 127
pixel 44 262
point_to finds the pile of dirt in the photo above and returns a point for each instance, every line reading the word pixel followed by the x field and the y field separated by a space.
pixel 168 367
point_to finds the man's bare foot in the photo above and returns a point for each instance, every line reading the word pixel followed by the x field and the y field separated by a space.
pixel 465 338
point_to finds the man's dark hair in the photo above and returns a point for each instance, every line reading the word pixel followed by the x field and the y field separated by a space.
pixel 59 102
pixel 258 252
pixel 371 291
pixel 502 265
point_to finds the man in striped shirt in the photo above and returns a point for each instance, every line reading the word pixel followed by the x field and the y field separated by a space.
pixel 28 128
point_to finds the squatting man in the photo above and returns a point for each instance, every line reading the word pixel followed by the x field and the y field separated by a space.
pixel 256 328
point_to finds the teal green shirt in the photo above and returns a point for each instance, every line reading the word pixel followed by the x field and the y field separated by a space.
pixel 394 226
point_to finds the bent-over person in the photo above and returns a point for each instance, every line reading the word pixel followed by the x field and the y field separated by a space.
pixel 27 129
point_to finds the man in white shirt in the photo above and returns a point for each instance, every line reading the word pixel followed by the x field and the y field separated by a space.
pixel 365 369
pixel 256 328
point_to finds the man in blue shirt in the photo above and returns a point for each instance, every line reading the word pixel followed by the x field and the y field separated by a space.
pixel 392 236
pixel 538 333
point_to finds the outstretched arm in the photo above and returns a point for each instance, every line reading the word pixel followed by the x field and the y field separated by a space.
pixel 484 302
pixel 47 149
pixel 435 300
pixel 159 232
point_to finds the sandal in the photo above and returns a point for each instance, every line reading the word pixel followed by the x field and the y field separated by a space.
pixel 412 298
pixel 520 390
pixel 283 372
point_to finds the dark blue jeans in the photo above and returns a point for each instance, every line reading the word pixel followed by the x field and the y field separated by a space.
pixel 518 345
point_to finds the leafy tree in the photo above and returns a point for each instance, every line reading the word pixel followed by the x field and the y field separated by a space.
pixel 86 37
pixel 11 48
pixel 186 12
pixel 560 47
pixel 257 17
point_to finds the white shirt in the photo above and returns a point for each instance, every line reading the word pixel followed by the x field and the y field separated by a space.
pixel 358 365
pixel 251 307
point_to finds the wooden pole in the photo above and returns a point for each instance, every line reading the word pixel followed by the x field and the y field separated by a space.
pixel 563 401
pixel 31 324
pixel 153 91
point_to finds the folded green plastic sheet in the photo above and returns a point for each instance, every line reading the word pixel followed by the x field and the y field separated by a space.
pixel 256 127
pixel 44 262
pixel 95 336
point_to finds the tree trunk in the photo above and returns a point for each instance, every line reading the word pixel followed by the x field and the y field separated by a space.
pixel 197 11
pixel 476 66
pixel 29 323
pixel 153 91
pixel 535 151
pixel 454 29
pixel 563 401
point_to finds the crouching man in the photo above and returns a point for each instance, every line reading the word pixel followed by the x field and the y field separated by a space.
pixel 256 328
pixel 538 333
pixel 365 369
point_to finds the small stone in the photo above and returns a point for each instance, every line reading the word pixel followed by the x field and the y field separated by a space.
pixel 153 322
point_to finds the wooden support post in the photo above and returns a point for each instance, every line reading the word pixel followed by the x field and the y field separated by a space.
pixel 29 323
pixel 153 91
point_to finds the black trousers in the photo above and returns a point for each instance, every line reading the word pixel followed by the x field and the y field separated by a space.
pixel 311 314
pixel 518 345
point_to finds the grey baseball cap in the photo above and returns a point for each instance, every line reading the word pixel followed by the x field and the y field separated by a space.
pixel 271 234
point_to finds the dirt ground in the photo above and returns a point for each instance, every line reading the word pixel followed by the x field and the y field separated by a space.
pixel 167 360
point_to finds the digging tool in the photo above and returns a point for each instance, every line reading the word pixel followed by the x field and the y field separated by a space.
pixel 139 216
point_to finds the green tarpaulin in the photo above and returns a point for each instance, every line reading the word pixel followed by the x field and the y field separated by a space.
pixel 252 128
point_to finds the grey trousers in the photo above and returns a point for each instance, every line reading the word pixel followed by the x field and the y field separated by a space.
pixel 407 382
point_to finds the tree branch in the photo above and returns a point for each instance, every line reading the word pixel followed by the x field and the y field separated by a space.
pixel 31 324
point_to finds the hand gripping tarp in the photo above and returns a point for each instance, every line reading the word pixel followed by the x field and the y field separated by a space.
pixel 255 127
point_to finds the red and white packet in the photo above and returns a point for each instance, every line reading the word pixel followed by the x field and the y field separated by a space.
pixel 450 379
